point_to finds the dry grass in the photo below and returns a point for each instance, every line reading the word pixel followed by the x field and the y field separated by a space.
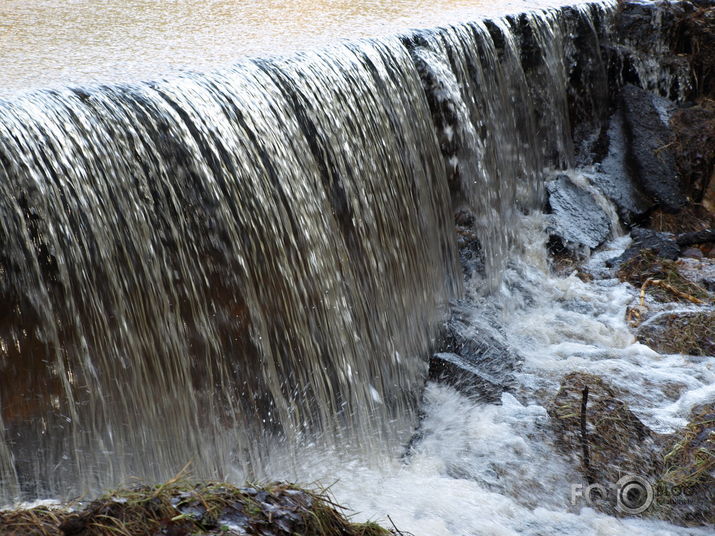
pixel 691 460
pixel 671 286
pixel 181 507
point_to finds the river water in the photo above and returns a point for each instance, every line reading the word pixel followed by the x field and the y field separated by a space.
pixel 53 43
pixel 211 262
pixel 493 469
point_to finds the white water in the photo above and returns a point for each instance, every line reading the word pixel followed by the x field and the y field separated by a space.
pixel 493 469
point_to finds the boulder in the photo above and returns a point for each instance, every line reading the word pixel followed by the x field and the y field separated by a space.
pixel 660 244
pixel 465 376
pixel 650 147
pixel 576 217
pixel 474 357
pixel 612 178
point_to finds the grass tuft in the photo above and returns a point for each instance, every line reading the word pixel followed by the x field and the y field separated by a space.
pixel 182 507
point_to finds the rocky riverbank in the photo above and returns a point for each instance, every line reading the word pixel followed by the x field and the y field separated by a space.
pixel 653 160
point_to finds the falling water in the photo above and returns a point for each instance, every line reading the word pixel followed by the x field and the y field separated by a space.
pixel 215 267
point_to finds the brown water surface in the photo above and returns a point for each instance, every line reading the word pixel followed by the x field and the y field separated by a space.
pixel 50 43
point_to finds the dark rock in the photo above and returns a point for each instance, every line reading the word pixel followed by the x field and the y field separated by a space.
pixel 612 178
pixel 698 237
pixel 650 151
pixel 474 357
pixel 691 333
pixel 663 245
pixel 461 374
pixel 677 37
pixel 577 219
pixel 616 441
pixel 471 254
pixel 694 130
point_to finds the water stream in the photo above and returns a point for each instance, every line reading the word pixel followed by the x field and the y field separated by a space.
pixel 245 269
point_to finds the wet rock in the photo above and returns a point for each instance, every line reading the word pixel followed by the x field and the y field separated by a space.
pixel 474 358
pixel 650 146
pixel 662 245
pixel 576 217
pixel 612 178
pixel 648 47
pixel 688 332
pixel 464 376
pixel 697 237
pixel 615 442
pixel 471 254
pixel 694 144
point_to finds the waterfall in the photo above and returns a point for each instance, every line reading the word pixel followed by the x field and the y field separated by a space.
pixel 217 266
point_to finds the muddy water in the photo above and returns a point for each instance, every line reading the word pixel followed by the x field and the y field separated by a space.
pixel 47 43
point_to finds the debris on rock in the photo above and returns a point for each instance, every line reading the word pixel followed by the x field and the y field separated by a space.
pixel 614 441
pixel 686 489
pixel 183 508
pixel 662 278
pixel 688 332
pixel 694 144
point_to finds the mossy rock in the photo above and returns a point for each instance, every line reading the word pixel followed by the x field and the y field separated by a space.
pixel 690 333
pixel 182 508
pixel 686 488
pixel 616 440
pixel 679 467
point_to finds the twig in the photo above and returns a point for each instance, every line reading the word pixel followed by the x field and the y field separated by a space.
pixel 669 288
pixel 398 531
pixel 584 437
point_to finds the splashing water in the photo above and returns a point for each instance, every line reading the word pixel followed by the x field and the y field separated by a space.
pixel 494 468
pixel 245 269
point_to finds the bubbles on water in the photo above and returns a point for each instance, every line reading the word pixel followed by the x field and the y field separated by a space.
pixel 493 468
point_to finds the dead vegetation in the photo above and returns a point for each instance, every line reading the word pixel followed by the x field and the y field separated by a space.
pixel 688 483
pixel 603 433
pixel 182 507
pixel 690 333
pixel 593 425
pixel 691 459
pixel 661 279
